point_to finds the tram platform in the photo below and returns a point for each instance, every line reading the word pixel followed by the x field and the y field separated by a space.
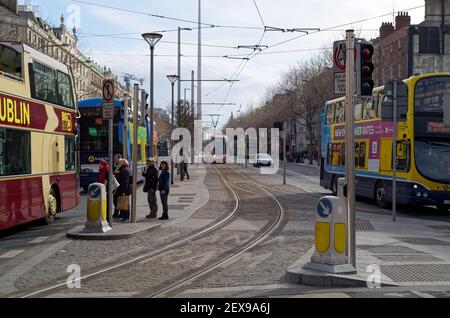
pixel 185 198
pixel 408 252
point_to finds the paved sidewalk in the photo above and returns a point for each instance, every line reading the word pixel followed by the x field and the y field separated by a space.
pixel 408 252
pixel 185 198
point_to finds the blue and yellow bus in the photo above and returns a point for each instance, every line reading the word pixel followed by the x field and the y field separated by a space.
pixel 93 138
pixel 422 145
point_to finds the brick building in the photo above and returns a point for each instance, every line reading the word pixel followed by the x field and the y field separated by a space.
pixel 403 50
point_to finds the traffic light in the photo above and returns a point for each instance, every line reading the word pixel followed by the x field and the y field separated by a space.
pixel 364 68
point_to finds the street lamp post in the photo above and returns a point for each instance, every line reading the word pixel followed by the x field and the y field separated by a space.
pixel 152 39
pixel 173 79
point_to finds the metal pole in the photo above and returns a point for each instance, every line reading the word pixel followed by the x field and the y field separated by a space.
pixel 192 117
pixel 199 64
pixel 179 72
pixel 152 95
pixel 125 128
pixel 135 151
pixel 350 146
pixel 171 141
pixel 143 121
pixel 394 151
pixel 284 153
pixel 111 172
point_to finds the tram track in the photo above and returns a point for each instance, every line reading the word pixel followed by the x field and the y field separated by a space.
pixel 260 237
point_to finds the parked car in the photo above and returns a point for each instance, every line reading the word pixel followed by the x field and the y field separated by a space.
pixel 263 160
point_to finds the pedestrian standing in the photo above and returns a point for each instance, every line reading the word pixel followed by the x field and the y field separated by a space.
pixel 103 172
pixel 115 168
pixel 151 175
pixel 186 160
pixel 124 189
pixel 164 187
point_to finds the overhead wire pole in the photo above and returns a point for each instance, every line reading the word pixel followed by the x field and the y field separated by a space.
pixel 350 145
pixel 199 63
pixel 192 117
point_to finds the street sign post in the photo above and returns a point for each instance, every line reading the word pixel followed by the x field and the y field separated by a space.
pixel 108 114
pixel 339 56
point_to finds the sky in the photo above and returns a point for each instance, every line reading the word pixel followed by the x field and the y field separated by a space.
pixel 113 38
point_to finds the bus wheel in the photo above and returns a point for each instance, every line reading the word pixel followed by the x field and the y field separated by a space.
pixel 334 185
pixel 52 208
pixel 380 194
pixel 443 208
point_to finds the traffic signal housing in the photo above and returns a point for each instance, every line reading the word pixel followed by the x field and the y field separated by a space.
pixel 364 68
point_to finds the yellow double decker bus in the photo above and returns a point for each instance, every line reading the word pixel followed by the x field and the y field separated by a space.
pixel 422 144
pixel 38 175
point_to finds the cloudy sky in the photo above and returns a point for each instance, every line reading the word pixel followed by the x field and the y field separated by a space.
pixel 112 37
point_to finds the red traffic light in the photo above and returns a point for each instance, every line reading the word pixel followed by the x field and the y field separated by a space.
pixel 367 52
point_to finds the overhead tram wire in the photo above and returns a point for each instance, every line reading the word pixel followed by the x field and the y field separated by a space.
pixel 346 24
pixel 166 17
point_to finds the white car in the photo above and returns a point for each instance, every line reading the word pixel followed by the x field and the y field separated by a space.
pixel 263 160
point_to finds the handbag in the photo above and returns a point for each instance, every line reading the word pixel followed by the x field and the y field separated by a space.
pixel 123 203
pixel 115 184
pixel 145 189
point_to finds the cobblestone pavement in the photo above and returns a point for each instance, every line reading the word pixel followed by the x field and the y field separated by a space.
pixel 91 255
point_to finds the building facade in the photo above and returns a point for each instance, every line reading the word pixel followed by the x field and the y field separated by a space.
pixel 20 23
pixel 405 50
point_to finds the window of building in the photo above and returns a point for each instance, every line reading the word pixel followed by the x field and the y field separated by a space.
pixel 15 152
pixel 429 40
pixel 70 153
pixel 10 62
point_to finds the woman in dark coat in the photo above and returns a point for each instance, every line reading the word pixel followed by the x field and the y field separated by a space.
pixel 164 187
pixel 124 188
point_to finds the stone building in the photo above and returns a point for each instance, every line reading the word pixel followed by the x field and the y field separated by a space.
pixel 404 50
pixel 20 23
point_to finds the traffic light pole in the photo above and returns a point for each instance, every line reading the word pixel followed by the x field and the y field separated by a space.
pixel 350 146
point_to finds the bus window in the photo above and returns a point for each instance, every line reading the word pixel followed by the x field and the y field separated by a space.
pixel 10 63
pixel 362 155
pixel 358 111
pixel 369 110
pixel 70 153
pixel 403 155
pixel 330 114
pixel 329 154
pixel 15 152
pixel 44 83
pixel 336 154
pixel 65 97
pixel 340 113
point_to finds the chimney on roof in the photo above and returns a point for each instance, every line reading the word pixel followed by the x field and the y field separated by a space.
pixel 386 29
pixel 402 20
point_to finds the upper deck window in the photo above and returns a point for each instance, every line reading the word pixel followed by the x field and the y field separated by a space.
pixel 10 63
pixel 51 86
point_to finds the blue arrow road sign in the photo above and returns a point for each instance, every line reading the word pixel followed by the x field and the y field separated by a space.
pixel 324 208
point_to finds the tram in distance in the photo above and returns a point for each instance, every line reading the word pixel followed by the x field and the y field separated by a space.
pixel 93 138
pixel 38 159
pixel 422 144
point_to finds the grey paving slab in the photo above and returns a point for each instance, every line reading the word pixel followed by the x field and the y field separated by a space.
pixel 194 189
